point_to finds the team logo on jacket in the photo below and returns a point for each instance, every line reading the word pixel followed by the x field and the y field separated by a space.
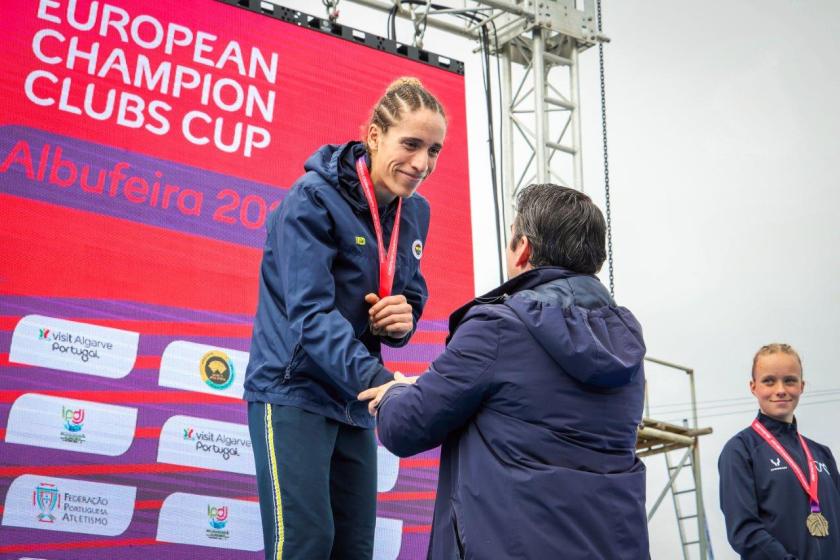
pixel 217 369
pixel 417 249
pixel 776 465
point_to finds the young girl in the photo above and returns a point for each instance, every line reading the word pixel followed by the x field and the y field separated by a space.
pixel 779 491
pixel 340 274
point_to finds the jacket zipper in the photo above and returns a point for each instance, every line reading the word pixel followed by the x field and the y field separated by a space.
pixel 347 414
pixel 292 363
pixel 459 541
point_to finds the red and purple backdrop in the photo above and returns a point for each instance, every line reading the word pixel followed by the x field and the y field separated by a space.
pixel 141 146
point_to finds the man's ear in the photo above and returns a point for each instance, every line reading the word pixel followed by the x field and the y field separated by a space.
pixel 525 255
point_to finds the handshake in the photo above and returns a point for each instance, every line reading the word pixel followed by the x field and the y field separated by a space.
pixel 375 394
pixel 389 316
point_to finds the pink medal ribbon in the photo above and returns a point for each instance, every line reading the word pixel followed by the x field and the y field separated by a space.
pixel 811 488
pixel 387 262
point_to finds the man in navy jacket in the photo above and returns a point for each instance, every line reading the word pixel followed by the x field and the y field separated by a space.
pixel 536 402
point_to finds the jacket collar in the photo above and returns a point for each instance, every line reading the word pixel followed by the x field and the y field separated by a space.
pixel 349 185
pixel 343 163
pixel 777 427
pixel 525 281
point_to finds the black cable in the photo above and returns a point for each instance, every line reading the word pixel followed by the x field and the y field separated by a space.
pixel 606 154
pixel 488 98
pixel 676 419
pixel 679 408
pixel 500 230
pixel 485 72
pixel 498 208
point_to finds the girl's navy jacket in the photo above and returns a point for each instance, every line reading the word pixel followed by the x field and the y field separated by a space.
pixel 765 506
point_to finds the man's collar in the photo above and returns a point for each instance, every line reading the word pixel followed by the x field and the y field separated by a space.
pixel 525 281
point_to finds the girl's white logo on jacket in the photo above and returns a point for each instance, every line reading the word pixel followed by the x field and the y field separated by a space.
pixel 822 467
pixel 776 465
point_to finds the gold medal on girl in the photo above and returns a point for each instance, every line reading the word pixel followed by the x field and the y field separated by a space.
pixel 817 524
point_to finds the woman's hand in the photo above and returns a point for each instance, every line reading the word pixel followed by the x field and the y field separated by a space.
pixel 390 316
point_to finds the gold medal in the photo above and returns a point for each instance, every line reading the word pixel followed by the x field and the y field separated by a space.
pixel 817 525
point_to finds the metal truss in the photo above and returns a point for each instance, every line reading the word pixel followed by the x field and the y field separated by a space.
pixel 541 101
pixel 538 43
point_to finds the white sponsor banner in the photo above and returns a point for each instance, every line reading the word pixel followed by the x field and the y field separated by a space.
pixel 387 540
pixel 72 346
pixel 63 504
pixel 388 469
pixel 210 521
pixel 209 444
pixel 71 425
pixel 207 369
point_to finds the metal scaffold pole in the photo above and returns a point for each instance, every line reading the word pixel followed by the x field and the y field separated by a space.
pixel 672 441
pixel 540 123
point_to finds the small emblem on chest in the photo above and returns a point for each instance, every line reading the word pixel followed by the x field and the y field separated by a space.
pixel 776 465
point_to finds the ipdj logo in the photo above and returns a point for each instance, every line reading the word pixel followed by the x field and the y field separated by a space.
pixel 218 516
pixel 43 334
pixel 189 433
pixel 217 369
pixel 74 420
pixel 47 497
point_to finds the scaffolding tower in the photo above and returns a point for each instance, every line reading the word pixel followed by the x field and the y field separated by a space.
pixel 680 446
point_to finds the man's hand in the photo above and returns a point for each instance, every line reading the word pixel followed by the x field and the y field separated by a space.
pixel 375 394
pixel 390 316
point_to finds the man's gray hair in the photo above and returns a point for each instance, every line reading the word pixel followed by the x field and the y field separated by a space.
pixel 563 226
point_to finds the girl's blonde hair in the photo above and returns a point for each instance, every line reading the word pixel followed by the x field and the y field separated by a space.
pixel 775 348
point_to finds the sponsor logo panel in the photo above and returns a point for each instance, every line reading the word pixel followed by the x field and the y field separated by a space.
pixel 72 346
pixel 71 425
pixel 210 521
pixel 207 369
pixel 387 540
pixel 209 444
pixel 63 504
pixel 388 469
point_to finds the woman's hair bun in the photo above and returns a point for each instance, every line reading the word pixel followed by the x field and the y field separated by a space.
pixel 404 81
